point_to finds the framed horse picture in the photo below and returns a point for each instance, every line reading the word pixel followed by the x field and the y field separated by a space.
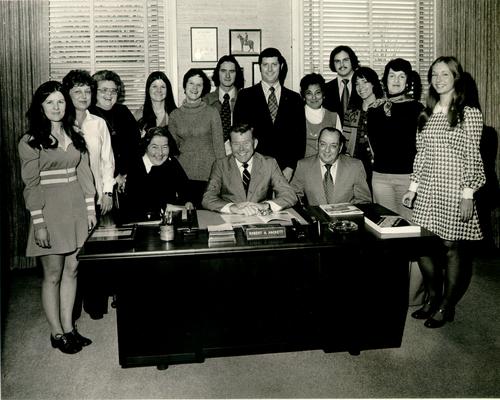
pixel 245 42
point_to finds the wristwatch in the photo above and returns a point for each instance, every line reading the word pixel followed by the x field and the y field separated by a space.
pixel 108 194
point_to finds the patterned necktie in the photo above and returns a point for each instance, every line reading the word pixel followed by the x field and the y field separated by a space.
pixel 345 95
pixel 225 116
pixel 272 103
pixel 328 184
pixel 246 177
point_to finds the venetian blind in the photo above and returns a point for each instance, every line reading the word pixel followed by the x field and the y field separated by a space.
pixel 377 31
pixel 125 36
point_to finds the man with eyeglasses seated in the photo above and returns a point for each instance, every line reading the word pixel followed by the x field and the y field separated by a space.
pixel 243 182
pixel 330 177
pixel 338 91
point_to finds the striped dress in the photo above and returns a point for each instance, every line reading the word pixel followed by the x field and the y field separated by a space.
pixel 447 161
pixel 59 194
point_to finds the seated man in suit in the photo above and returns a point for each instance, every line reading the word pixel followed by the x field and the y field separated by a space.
pixel 243 182
pixel 331 177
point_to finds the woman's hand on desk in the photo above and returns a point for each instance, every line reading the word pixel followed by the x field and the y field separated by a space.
pixel 189 205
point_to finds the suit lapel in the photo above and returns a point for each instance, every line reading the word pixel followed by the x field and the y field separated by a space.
pixel 256 176
pixel 318 180
pixel 235 177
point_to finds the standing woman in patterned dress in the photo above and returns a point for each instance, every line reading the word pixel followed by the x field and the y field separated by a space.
pixel 59 193
pixel 447 171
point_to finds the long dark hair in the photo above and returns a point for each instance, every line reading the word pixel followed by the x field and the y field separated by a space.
pixel 355 101
pixel 148 119
pixel 464 94
pixel 239 80
pixel 39 126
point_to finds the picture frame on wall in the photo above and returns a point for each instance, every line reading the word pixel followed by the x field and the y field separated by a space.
pixel 245 42
pixel 256 76
pixel 204 44
pixel 210 73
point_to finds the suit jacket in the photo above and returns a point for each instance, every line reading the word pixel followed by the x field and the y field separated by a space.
pixel 285 139
pixel 350 182
pixel 332 100
pixel 212 99
pixel 225 184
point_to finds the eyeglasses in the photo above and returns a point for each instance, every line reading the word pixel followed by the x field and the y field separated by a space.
pixel 112 92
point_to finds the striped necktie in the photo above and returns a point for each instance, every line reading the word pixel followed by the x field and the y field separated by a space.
pixel 272 103
pixel 328 184
pixel 246 177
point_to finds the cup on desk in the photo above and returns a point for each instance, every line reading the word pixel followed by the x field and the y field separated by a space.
pixel 167 232
pixel 167 229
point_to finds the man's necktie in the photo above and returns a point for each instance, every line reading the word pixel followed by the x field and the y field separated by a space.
pixel 272 103
pixel 246 177
pixel 345 95
pixel 225 116
pixel 328 184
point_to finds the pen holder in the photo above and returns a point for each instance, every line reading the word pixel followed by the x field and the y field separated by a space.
pixel 167 232
pixel 167 229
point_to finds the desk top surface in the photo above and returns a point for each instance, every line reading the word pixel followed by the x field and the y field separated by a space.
pixel 318 235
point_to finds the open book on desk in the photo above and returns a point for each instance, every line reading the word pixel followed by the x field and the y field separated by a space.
pixel 283 217
pixel 340 209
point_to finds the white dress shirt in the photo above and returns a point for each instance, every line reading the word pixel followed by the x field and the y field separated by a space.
pixel 102 161
pixel 226 209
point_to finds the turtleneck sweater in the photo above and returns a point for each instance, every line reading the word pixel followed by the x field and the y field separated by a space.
pixel 197 130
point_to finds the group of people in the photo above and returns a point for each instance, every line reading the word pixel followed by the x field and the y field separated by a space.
pixel 249 150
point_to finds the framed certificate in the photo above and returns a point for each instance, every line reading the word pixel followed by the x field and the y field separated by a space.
pixel 204 44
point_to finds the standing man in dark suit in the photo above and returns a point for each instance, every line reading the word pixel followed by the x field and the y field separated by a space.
pixel 330 177
pixel 338 91
pixel 228 77
pixel 244 182
pixel 275 112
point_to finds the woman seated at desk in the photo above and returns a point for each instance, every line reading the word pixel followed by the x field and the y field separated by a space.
pixel 155 179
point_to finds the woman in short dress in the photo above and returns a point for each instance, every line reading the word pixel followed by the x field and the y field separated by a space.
pixel 59 193
pixel 447 171
pixel 312 89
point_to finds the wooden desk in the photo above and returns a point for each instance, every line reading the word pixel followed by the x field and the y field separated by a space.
pixel 181 302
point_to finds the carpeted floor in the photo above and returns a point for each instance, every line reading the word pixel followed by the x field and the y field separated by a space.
pixel 461 359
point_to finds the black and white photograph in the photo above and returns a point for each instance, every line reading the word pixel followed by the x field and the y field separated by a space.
pixel 245 42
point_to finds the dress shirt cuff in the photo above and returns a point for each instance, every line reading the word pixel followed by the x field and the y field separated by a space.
pixel 413 187
pixel 226 208
pixel 274 207
pixel 468 193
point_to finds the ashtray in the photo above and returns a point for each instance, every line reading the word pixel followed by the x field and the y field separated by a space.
pixel 343 226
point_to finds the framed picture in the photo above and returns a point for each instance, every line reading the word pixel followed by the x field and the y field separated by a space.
pixel 256 77
pixel 245 42
pixel 210 72
pixel 204 44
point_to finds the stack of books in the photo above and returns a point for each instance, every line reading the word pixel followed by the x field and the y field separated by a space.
pixel 389 226
pixel 220 235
